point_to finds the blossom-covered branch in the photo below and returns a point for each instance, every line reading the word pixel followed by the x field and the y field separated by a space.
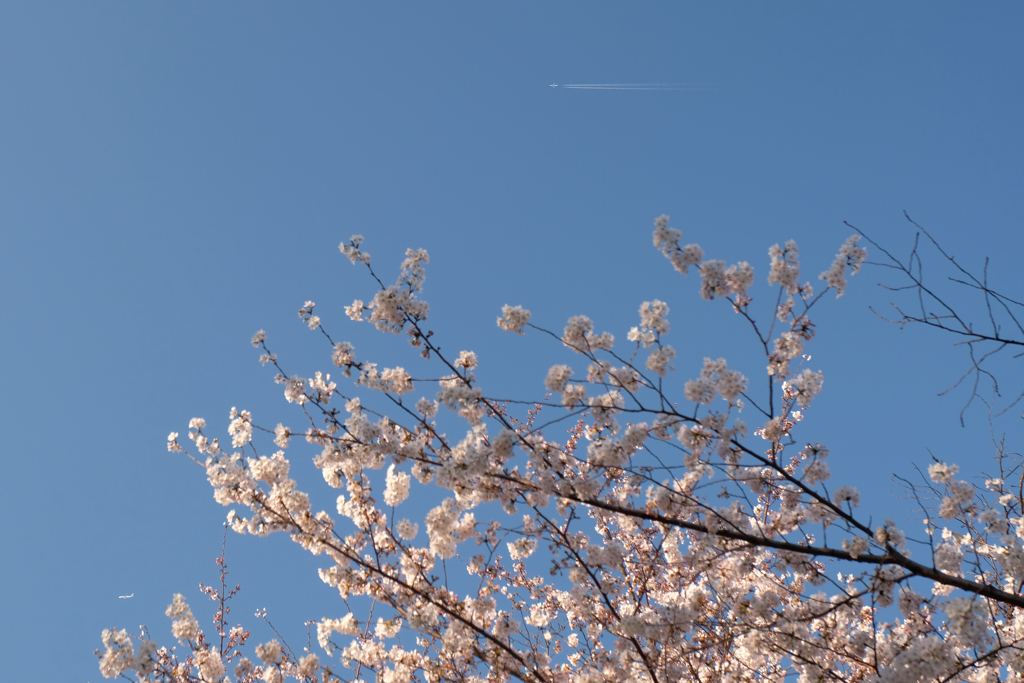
pixel 645 541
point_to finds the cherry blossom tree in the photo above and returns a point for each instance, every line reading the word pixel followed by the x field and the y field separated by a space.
pixel 636 533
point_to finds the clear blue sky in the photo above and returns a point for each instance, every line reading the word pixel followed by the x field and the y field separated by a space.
pixel 177 175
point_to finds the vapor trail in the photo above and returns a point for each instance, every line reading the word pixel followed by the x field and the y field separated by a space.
pixel 627 85
pixel 633 86
pixel 661 89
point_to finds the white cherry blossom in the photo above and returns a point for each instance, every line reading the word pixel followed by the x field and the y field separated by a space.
pixel 640 535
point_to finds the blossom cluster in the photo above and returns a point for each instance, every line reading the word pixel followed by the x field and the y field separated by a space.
pixel 647 541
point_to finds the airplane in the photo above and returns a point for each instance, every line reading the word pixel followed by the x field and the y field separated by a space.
pixel 122 597
pixel 553 85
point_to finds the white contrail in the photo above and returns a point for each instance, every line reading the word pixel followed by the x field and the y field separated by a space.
pixel 624 85
pixel 658 89
pixel 634 86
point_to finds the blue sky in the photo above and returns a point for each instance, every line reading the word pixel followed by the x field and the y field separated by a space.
pixel 175 176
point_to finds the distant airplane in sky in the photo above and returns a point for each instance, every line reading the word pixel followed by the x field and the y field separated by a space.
pixel 124 597
pixel 631 86
pixel 553 85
